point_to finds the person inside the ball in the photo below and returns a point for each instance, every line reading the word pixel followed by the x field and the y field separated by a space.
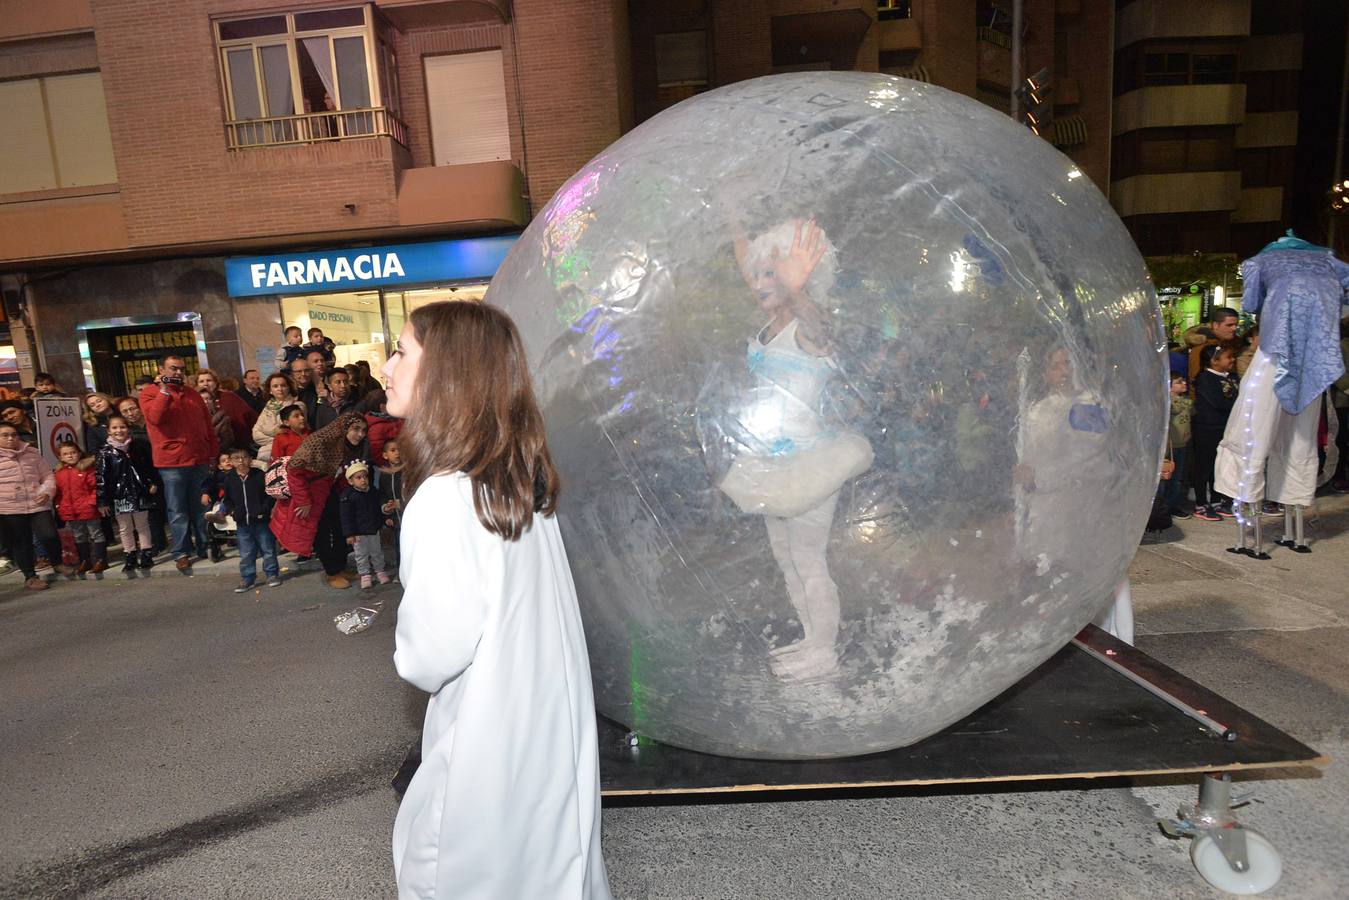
pixel 794 461
pixel 1064 455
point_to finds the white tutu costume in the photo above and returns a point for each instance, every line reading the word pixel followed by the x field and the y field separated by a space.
pixel 798 463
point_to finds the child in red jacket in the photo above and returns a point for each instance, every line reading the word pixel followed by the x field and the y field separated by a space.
pixel 380 426
pixel 292 433
pixel 77 505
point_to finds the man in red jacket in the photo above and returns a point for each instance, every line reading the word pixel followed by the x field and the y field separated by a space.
pixel 183 444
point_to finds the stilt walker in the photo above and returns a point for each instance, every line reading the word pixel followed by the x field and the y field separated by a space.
pixel 1269 447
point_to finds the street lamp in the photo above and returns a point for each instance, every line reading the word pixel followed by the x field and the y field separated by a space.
pixel 1339 196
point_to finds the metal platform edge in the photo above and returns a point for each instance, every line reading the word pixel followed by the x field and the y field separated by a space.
pixel 1311 762
pixel 1213 711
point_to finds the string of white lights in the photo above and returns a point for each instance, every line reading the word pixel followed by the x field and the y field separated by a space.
pixel 1254 377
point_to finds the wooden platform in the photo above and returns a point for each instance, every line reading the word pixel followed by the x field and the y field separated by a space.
pixel 1075 717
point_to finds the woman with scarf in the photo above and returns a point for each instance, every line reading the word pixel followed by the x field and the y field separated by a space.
pixel 308 522
pixel 280 393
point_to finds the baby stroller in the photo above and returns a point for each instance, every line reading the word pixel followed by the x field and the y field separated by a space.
pixel 221 532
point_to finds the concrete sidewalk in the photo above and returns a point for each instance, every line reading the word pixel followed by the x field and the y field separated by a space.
pixel 164 568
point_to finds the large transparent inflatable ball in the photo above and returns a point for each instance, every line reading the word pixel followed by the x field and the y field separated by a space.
pixel 857 389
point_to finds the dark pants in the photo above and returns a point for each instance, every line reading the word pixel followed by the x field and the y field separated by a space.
pixel 21 530
pixel 1206 443
pixel 1174 491
pixel 330 546
pixel 158 522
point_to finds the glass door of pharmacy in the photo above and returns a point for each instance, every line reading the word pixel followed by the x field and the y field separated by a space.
pixel 115 354
pixel 402 302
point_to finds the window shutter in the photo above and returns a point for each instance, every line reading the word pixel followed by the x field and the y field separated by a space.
pixel 681 58
pixel 23 139
pixel 80 130
pixel 466 93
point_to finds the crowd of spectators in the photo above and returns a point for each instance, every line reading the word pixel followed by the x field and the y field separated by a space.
pixel 1206 370
pixel 199 456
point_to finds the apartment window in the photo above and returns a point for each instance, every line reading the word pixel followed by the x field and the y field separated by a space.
pixel 1166 68
pixel 681 59
pixel 1187 68
pixel 681 66
pixel 466 96
pixel 1213 68
pixel 56 134
pixel 309 76
pixel 1161 151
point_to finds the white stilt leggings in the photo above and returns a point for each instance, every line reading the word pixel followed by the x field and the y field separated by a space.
pixel 799 546
pixel 1266 452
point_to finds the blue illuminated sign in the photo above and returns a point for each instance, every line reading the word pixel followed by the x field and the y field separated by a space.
pixel 366 267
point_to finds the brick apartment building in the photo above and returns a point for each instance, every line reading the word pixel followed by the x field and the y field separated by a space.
pixel 197 174
pixel 1206 122
pixel 680 47
pixel 148 141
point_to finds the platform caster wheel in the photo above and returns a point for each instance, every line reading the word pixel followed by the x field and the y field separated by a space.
pixel 1264 870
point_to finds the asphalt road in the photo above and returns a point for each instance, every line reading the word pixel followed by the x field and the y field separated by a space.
pixel 165 737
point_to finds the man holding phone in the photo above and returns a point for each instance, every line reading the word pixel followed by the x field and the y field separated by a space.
pixel 183 444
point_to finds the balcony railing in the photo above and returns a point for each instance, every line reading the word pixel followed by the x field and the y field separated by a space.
pixel 311 128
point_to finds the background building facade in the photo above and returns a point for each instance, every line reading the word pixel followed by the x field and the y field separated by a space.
pixel 154 139
pixel 1206 123
pixel 149 142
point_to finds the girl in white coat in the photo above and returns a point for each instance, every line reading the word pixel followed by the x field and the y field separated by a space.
pixel 506 802
pixel 1067 430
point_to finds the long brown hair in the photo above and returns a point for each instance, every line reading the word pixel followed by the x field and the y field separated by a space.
pixel 473 411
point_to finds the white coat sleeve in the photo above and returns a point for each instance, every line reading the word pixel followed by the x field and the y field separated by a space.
pixel 447 572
